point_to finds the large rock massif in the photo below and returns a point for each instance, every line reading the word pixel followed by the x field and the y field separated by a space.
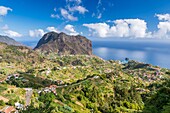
pixel 64 44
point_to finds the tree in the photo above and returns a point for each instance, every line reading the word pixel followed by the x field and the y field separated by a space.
pixel 11 102
pixel 2 103
pixel 166 108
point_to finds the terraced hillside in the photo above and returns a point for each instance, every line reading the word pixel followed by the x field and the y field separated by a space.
pixel 80 83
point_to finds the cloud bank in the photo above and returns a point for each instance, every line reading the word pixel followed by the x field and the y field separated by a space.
pixel 130 28
pixel 7 31
pixel 121 28
pixel 38 33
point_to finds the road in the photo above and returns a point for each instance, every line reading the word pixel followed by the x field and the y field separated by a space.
pixel 28 96
pixel 77 83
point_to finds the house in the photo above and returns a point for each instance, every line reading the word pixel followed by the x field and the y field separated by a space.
pixel 19 106
pixel 1 81
pixel 39 91
pixel 158 72
pixel 28 89
pixel 16 76
pixel 46 90
pixel 96 77
pixel 51 88
pixel 8 109
pixel 48 71
pixel 59 82
pixel 124 61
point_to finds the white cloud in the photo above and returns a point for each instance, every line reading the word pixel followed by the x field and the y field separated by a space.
pixel 4 10
pixel 99 29
pixel 99 10
pixel 163 30
pixel 12 34
pixel 55 9
pixel 163 27
pixel 99 16
pixel 55 16
pixel 36 33
pixel 121 28
pixel 40 32
pixel 165 17
pixel 68 12
pixel 53 29
pixel 70 30
pixel 76 1
pixel 110 21
pixel 80 9
pixel 68 16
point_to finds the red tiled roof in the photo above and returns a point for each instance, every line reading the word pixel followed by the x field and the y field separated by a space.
pixel 54 86
pixel 8 109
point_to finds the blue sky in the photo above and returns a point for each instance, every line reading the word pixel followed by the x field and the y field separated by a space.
pixel 95 19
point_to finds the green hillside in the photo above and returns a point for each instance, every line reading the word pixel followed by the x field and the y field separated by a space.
pixel 84 83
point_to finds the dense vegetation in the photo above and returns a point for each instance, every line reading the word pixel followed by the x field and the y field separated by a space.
pixel 84 83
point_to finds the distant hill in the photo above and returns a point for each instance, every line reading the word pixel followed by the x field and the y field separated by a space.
pixel 64 44
pixel 11 53
pixel 9 41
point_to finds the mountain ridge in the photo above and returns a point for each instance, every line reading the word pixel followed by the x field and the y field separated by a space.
pixel 9 41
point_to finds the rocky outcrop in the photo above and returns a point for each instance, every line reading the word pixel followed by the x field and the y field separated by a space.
pixel 64 44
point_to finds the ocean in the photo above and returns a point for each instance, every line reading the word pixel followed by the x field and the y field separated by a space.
pixel 152 52
pixel 156 53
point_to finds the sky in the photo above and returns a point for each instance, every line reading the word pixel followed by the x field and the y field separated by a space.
pixel 29 20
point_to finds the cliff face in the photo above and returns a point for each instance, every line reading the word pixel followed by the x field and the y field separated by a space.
pixel 64 44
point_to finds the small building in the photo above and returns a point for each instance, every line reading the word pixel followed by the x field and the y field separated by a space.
pixel 51 88
pixel 96 77
pixel 1 81
pixel 39 91
pixel 59 82
pixel 16 76
pixel 28 89
pixel 48 71
pixel 125 61
pixel 47 90
pixel 19 106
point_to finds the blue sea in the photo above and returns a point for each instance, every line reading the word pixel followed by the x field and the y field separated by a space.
pixel 156 53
